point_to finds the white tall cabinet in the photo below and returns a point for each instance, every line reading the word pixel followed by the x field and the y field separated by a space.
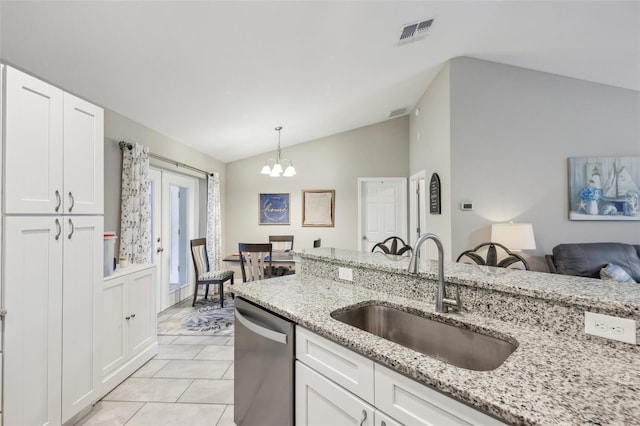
pixel 52 251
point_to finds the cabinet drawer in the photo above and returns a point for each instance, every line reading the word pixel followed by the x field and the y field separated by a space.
pixel 320 402
pixel 381 419
pixel 413 403
pixel 345 367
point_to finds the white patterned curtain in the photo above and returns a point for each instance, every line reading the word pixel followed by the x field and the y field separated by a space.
pixel 214 223
pixel 135 219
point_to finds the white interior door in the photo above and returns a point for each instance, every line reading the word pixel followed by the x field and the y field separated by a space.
pixel 382 210
pixel 157 244
pixel 174 223
pixel 417 207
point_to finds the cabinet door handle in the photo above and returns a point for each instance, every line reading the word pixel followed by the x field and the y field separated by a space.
pixel 73 201
pixel 73 228
pixel 364 417
pixel 59 199
pixel 127 318
pixel 59 229
pixel 133 315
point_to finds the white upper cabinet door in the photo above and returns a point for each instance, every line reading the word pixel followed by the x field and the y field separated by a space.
pixel 83 157
pixel 33 145
pixel 81 320
pixel 33 330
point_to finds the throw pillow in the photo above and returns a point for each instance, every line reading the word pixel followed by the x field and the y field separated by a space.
pixel 616 273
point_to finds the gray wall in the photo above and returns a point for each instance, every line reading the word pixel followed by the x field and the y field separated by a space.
pixel 334 162
pixel 512 131
pixel 430 151
pixel 117 128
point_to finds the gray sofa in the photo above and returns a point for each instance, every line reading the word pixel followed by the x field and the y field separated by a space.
pixel 587 259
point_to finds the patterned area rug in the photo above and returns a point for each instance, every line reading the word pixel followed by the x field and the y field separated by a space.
pixel 204 319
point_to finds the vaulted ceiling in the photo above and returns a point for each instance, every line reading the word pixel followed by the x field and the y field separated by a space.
pixel 219 76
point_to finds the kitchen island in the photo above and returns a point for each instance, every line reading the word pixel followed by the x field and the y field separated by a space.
pixel 557 374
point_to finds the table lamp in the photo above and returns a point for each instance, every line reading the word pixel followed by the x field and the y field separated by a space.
pixel 515 236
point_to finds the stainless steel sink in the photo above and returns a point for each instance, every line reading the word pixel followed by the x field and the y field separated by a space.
pixel 453 345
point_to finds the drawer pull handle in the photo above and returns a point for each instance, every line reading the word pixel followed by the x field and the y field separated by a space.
pixel 364 417
pixel 59 228
pixel 73 201
pixel 73 229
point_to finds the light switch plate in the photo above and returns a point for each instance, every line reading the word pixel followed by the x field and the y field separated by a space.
pixel 609 327
pixel 345 273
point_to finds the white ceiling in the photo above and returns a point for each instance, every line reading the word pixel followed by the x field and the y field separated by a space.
pixel 219 76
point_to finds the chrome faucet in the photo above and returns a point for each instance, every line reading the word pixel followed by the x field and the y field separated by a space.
pixel 442 301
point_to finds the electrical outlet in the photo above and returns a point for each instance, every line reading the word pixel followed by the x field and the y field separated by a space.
pixel 609 327
pixel 345 273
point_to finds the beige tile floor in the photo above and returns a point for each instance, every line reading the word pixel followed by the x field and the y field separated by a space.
pixel 189 383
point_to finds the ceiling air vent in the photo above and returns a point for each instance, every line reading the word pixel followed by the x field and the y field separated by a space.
pixel 398 112
pixel 414 31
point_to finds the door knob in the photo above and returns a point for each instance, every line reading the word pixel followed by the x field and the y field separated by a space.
pixel 364 238
pixel 160 249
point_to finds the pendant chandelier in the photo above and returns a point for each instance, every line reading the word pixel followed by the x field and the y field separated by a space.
pixel 277 169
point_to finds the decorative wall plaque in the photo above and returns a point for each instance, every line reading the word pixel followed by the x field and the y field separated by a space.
pixel 434 194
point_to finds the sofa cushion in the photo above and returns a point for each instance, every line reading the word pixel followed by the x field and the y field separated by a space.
pixel 615 273
pixel 586 259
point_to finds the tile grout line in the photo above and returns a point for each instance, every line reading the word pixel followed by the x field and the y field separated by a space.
pixel 184 391
pixel 134 414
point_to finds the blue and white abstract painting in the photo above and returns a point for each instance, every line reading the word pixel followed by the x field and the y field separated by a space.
pixel 604 188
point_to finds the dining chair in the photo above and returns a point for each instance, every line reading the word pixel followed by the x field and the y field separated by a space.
pixel 491 256
pixel 255 261
pixel 204 276
pixel 281 242
pixel 393 245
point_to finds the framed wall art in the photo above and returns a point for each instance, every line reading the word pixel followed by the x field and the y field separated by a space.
pixel 604 188
pixel 273 209
pixel 318 207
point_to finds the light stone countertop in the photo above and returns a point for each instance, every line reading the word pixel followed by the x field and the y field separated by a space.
pixel 609 295
pixel 548 379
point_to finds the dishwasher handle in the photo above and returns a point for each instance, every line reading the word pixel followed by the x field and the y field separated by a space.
pixel 261 331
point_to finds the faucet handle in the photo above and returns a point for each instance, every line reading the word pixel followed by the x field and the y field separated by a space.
pixel 453 303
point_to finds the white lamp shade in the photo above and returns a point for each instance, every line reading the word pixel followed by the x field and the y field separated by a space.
pixel 514 236
pixel 266 170
pixel 277 170
pixel 290 171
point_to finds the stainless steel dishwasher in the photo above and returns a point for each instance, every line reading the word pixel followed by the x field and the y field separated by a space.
pixel 264 357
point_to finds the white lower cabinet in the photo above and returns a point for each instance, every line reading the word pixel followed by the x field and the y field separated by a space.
pixel 52 272
pixel 332 384
pixel 129 323
pixel 321 402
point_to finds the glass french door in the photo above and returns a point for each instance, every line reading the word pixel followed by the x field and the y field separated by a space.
pixel 174 214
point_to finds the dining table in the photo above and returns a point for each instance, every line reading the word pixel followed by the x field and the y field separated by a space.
pixel 285 259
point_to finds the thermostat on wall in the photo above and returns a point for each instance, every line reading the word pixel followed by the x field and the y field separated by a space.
pixel 466 205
